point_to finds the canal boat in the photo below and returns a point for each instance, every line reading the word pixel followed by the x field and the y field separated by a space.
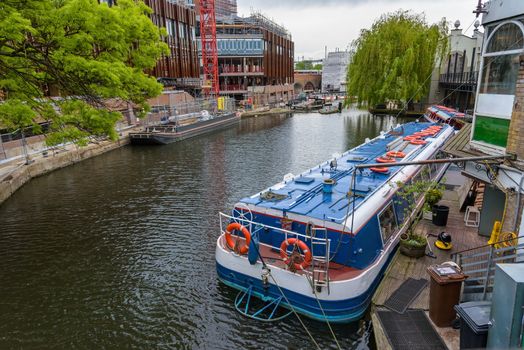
pixel 331 108
pixel 443 114
pixel 319 242
pixel 182 127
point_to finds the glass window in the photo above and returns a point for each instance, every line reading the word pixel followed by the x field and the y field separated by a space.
pixel 499 74
pixel 507 37
pixel 491 130
pixel 388 223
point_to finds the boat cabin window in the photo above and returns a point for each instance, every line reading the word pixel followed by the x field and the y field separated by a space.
pixel 388 223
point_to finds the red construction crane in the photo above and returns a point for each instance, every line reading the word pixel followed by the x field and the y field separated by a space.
pixel 208 37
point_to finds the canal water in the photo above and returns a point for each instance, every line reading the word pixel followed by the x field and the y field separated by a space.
pixel 118 251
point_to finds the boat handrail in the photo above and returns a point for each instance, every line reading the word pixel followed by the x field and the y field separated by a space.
pixel 257 226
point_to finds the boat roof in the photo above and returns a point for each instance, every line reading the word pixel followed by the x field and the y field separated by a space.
pixel 304 195
pixel 445 112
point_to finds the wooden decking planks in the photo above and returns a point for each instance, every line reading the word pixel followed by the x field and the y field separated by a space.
pixel 402 267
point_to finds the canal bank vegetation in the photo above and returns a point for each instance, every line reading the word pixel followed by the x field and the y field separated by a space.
pixel 89 54
pixel 394 58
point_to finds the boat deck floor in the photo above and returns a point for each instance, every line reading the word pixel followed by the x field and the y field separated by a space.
pixel 271 256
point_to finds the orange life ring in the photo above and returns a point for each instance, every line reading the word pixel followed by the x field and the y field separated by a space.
pixel 396 154
pixel 386 159
pixel 421 134
pixel 308 257
pixel 381 170
pixel 242 249
pixel 410 138
pixel 418 142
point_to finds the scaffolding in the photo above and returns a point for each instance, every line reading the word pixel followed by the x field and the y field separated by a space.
pixel 334 71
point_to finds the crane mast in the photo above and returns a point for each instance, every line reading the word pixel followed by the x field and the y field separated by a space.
pixel 208 37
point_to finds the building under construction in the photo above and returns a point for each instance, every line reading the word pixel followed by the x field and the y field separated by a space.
pixel 334 71
pixel 223 8
pixel 255 57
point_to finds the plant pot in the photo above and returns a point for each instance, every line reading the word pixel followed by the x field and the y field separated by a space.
pixel 411 250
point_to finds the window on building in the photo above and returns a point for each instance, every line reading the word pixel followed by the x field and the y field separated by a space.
pixel 499 74
pixel 500 69
pixel 493 131
pixel 169 27
pixel 388 223
pixel 501 59
pixel 506 38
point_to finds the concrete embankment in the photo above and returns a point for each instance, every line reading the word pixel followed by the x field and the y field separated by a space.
pixel 15 174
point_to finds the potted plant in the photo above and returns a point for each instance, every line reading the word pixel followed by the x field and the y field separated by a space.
pixel 432 197
pixel 413 245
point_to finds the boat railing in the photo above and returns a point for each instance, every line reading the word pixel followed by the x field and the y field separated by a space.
pixel 316 237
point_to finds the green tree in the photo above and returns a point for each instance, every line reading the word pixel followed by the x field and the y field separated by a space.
pixel 85 51
pixel 393 59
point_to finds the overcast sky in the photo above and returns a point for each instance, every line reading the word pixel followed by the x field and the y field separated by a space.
pixel 335 23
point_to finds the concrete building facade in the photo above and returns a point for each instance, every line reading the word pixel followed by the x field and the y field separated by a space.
pixel 454 81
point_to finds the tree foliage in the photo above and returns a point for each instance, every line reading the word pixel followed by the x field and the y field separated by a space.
pixel 393 59
pixel 307 65
pixel 88 52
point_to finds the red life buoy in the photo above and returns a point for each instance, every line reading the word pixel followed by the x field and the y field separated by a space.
pixel 418 142
pixel 381 170
pixel 242 249
pixel 386 159
pixel 396 154
pixel 308 257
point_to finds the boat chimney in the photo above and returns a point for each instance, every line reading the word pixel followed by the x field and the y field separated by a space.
pixel 327 186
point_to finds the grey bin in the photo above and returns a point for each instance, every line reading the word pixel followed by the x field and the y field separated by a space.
pixel 474 323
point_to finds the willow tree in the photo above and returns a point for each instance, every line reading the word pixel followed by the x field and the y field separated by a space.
pixel 84 51
pixel 394 59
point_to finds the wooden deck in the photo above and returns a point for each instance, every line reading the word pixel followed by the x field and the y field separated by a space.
pixel 402 267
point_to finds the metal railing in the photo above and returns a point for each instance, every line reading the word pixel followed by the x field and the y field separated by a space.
pixel 320 243
pixel 479 265
pixel 459 78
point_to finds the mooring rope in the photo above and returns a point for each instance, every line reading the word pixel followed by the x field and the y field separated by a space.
pixel 324 314
pixel 285 297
